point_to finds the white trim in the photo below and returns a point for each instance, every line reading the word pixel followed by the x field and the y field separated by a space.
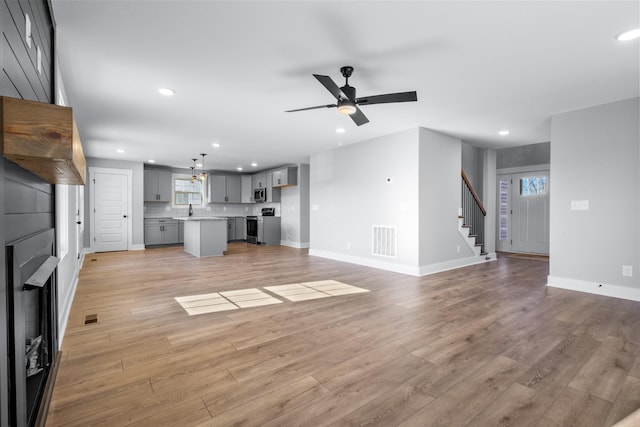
pixel 63 316
pixel 603 289
pixel 137 247
pixel 129 174
pixel 397 268
pixel 426 270
pixel 298 245
pixel 423 270
pixel 522 169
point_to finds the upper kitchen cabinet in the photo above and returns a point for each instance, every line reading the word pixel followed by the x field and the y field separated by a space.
pixel 246 192
pixel 284 177
pixel 157 185
pixel 260 180
pixel 224 189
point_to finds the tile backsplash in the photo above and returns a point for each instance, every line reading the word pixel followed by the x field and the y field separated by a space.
pixel 161 210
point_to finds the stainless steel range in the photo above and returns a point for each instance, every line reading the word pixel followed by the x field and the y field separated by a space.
pixel 265 229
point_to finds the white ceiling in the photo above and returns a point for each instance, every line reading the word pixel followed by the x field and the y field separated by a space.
pixel 236 66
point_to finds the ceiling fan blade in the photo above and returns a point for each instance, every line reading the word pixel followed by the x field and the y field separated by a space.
pixel 388 97
pixel 312 108
pixel 331 86
pixel 359 118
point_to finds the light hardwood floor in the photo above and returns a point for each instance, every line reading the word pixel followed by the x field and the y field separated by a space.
pixel 487 345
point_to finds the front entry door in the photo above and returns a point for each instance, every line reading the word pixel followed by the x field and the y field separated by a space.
pixel 530 219
pixel 110 211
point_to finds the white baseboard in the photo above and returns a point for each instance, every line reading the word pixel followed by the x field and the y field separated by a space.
pixel 396 268
pixel 456 263
pixel 299 245
pixel 411 270
pixel 137 247
pixel 603 289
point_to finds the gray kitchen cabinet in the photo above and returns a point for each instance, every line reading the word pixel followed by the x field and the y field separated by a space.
pixel 224 189
pixel 241 223
pixel 157 185
pixel 216 189
pixel 152 234
pixel 231 229
pixel 159 231
pixel 180 231
pixel 284 177
pixel 259 180
pixel 246 190
pixel 234 189
pixel 263 180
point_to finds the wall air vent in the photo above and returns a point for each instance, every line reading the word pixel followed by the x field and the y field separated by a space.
pixel 384 241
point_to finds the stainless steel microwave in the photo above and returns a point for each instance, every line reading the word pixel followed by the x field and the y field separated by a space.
pixel 260 195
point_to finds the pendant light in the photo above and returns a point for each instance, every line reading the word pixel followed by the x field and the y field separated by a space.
pixel 194 177
pixel 203 174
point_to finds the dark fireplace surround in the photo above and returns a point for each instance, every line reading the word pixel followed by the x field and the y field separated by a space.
pixel 32 325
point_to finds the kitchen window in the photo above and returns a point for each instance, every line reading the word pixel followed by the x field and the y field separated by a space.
pixel 186 192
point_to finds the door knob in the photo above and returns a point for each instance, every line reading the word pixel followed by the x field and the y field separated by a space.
pixel 124 216
pixel 78 222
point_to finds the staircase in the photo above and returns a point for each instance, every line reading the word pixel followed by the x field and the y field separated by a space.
pixel 471 218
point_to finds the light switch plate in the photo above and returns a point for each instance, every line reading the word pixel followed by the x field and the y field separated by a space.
pixel 579 205
pixel 627 271
pixel 27 30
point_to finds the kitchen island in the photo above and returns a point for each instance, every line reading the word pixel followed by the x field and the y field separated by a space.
pixel 205 236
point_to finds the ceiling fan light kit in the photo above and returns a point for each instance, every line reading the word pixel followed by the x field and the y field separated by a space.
pixel 346 101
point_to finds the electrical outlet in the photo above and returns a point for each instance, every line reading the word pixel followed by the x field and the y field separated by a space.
pixel 168 208
pixel 627 271
pixel 458 248
pixel 348 246
pixel 208 208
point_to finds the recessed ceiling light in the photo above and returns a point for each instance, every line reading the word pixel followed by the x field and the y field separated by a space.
pixel 239 168
pixel 120 150
pixel 340 130
pixel 504 132
pixel 254 164
pixel 151 161
pixel 166 91
pixel 215 145
pixel 629 35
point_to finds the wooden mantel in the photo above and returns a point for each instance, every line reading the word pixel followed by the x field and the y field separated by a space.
pixel 44 139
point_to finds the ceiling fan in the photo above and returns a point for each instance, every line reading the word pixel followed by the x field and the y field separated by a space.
pixel 346 101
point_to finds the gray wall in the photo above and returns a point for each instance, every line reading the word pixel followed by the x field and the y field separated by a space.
pixel 349 193
pixel 439 198
pixel 138 198
pixel 294 210
pixel 490 204
pixel 524 155
pixel 595 156
pixel 472 165
pixel 409 180
pixel 26 201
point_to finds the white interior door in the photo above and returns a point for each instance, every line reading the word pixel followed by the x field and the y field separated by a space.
pixel 110 224
pixel 530 212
